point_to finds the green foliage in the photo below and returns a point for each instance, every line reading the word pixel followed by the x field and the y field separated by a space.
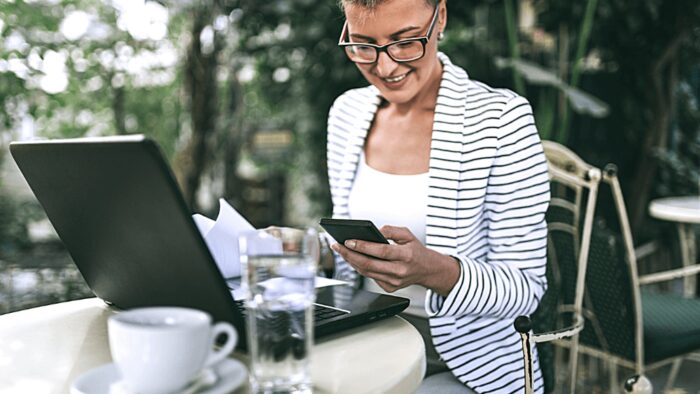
pixel 102 94
pixel 647 50
pixel 297 38
pixel 680 163
pixel 14 216
pixel 514 49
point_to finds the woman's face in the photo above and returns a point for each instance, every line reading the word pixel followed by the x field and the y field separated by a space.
pixel 392 20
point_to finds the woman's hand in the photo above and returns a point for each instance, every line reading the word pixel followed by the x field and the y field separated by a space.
pixel 405 263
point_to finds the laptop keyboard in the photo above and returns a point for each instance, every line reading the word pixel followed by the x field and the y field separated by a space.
pixel 320 312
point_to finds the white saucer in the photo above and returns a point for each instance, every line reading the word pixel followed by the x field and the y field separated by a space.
pixel 230 372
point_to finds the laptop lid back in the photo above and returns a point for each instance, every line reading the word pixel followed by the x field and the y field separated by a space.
pixel 144 249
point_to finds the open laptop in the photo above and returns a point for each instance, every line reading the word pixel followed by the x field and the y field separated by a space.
pixel 117 208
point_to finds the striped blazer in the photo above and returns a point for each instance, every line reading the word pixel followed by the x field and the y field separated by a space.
pixel 488 191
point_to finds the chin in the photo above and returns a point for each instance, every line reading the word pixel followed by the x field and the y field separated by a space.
pixel 400 96
pixel 397 97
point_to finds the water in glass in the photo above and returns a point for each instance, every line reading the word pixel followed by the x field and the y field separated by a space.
pixel 279 306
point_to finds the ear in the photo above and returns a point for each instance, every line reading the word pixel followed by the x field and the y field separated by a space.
pixel 442 16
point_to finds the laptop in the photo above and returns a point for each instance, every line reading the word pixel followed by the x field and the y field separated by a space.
pixel 116 206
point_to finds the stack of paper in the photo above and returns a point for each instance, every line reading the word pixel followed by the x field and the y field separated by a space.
pixel 221 237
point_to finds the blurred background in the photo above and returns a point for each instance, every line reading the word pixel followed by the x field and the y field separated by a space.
pixel 236 92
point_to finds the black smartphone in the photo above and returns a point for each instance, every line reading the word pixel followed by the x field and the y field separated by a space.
pixel 344 229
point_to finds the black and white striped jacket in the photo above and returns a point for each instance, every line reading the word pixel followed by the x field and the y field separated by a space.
pixel 487 196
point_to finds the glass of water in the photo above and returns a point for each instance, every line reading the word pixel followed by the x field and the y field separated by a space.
pixel 278 272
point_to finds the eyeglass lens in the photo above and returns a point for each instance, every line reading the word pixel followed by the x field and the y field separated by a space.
pixel 399 51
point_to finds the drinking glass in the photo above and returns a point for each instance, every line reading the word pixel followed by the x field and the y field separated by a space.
pixel 278 270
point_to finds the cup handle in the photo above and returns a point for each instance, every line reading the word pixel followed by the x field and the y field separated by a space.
pixel 217 355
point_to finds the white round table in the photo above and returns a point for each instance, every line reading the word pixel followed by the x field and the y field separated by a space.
pixel 43 350
pixel 676 209
pixel 685 212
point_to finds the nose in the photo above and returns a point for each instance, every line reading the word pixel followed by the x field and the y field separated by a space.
pixel 385 65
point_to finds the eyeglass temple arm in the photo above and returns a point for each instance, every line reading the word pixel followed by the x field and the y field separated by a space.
pixel 343 33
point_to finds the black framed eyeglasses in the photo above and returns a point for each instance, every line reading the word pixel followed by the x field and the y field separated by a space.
pixel 400 51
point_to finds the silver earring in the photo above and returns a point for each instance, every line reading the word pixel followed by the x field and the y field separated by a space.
pixel 441 35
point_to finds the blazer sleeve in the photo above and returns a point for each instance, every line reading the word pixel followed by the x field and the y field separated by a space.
pixel 510 280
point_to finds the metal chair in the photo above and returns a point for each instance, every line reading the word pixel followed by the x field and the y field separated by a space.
pixel 574 188
pixel 626 325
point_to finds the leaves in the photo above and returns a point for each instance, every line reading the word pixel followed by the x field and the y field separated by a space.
pixel 581 101
pixel 70 87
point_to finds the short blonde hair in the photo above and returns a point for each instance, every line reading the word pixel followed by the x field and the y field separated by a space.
pixel 373 3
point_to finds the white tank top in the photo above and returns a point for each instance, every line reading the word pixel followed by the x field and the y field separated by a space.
pixel 397 200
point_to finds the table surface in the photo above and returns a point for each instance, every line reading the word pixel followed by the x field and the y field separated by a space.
pixel 42 350
pixel 676 209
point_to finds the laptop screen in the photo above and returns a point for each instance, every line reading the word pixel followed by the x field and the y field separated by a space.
pixel 116 206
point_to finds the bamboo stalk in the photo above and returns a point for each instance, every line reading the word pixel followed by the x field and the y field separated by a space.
pixel 584 35
pixel 513 44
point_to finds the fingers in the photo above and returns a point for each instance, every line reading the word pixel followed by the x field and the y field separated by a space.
pixel 387 271
pixel 361 262
pixel 400 235
pixel 381 251
pixel 395 253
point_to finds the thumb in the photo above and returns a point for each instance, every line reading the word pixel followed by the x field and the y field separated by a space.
pixel 400 235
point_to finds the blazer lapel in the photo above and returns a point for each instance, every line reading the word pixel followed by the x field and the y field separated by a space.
pixel 445 159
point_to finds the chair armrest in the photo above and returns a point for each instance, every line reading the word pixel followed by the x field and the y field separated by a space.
pixel 523 325
pixel 561 333
pixel 669 274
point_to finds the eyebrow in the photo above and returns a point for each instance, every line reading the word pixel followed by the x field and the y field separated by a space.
pixel 392 35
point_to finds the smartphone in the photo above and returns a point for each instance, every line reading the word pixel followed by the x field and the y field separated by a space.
pixel 344 229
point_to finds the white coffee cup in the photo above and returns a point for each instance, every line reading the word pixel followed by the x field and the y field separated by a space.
pixel 162 349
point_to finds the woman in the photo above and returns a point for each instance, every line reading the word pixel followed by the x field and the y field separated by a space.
pixel 455 172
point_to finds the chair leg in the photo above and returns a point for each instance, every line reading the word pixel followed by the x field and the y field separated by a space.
pixel 558 360
pixel 675 367
pixel 614 381
pixel 686 239
pixel 523 326
pixel 593 372
pixel 573 363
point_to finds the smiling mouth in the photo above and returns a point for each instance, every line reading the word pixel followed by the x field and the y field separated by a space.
pixel 396 79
